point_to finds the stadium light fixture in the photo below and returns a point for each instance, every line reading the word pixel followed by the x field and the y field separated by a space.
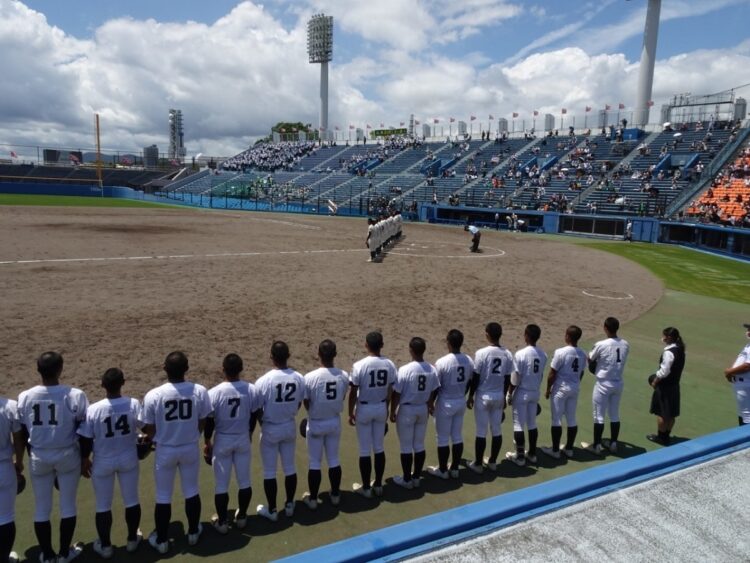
pixel 320 51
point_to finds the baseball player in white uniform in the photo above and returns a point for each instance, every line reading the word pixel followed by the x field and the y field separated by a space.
pixel 370 241
pixel 280 394
pixel 50 414
pixel 455 371
pixel 370 384
pixel 228 436
pixel 607 363
pixel 563 382
pixel 739 376
pixel 110 431
pixel 412 402
pixel 11 439
pixel 523 396
pixel 493 365
pixel 173 416
pixel 325 390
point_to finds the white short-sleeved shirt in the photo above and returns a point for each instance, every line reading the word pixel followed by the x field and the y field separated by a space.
pixel 743 357
pixel 113 425
pixel 373 375
pixel 232 403
pixel 454 373
pixel 528 367
pixel 492 363
pixel 280 393
pixel 415 382
pixel 473 230
pixel 610 356
pixel 52 414
pixel 569 362
pixel 175 409
pixel 8 424
pixel 325 389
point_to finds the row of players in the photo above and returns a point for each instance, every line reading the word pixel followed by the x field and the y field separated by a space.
pixel 381 232
pixel 61 430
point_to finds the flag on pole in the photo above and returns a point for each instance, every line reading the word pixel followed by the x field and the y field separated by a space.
pixel 337 128
pixel 351 126
pixel 436 120
pixel 472 117
pixel 381 125
pixel 401 124
pixel 368 126
pixel 126 160
pixel 536 113
pixel 416 122
pixel 73 158
pixel 452 119
pixel 607 107
pixel 515 115
pixel 564 111
pixel 491 117
pixel 650 103
pixel 588 109
pixel 621 105
pixel 13 154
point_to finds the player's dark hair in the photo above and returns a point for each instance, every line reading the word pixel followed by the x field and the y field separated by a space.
pixel 374 341
pixel 49 364
pixel 612 325
pixel 574 334
pixel 455 339
pixel 417 345
pixel 327 350
pixel 674 335
pixel 113 380
pixel 279 351
pixel 533 332
pixel 494 330
pixel 232 365
pixel 176 365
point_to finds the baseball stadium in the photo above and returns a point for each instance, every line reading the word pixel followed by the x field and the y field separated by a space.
pixel 419 227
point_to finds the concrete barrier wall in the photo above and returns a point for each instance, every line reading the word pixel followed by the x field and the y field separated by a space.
pixel 430 532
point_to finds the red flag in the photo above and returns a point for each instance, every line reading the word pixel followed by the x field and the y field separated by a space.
pixel 564 111
pixel 13 154
pixel 491 118
pixel 621 105
pixel 73 158
pixel 436 120
pixel 650 103
pixel 322 128
pixel 452 119
pixel 588 109
pixel 401 124
pixel 473 117
pixel 536 113
pixel 416 122
pixel 515 115
pixel 607 107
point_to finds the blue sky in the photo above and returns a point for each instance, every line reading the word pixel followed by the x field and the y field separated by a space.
pixel 236 68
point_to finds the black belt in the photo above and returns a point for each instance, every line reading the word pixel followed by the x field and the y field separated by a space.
pixel 740 379
pixel 367 403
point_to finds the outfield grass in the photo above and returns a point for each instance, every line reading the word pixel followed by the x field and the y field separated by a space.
pixel 75 201
pixel 702 298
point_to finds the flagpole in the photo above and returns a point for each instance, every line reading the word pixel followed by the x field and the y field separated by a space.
pixel 98 156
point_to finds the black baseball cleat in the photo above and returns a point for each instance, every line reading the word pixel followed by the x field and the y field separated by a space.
pixel 657 439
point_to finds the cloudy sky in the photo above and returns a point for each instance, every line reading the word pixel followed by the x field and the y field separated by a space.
pixel 236 68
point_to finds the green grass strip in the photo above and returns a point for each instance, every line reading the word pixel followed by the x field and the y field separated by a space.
pixel 685 270
pixel 75 201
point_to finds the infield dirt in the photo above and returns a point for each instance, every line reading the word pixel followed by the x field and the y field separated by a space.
pixel 124 287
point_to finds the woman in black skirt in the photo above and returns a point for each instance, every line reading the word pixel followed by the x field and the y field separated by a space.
pixel 665 401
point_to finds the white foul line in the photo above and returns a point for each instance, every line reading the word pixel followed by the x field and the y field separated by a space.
pixel 587 294
pixel 174 256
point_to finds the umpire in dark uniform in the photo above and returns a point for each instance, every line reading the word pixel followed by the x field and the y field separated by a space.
pixel 665 401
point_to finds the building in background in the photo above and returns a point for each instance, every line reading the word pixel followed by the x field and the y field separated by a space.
pixel 176 136
pixel 151 156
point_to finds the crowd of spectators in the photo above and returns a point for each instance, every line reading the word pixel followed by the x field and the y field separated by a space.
pixel 271 157
pixel 727 201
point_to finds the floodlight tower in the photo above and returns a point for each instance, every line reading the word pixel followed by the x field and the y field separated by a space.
pixel 648 58
pixel 320 50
